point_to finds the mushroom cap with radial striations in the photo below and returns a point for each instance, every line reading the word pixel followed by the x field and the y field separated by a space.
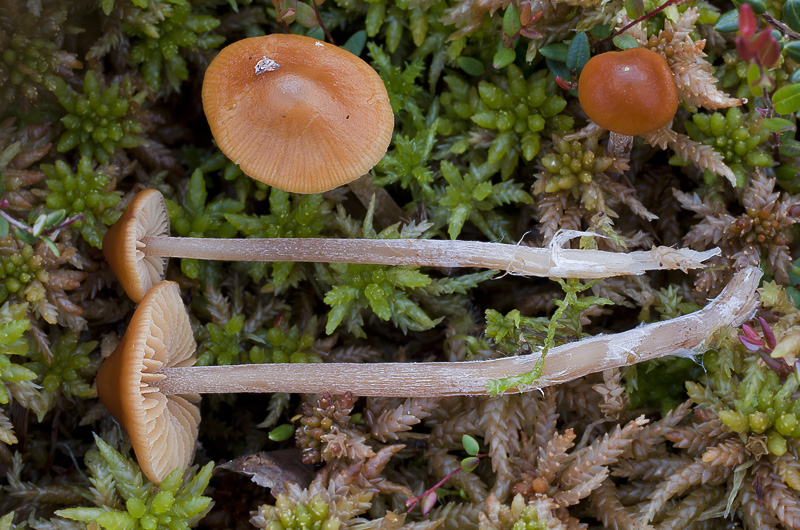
pixel 629 92
pixel 298 114
pixel 146 215
pixel 163 429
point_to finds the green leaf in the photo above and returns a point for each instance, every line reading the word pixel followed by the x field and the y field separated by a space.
pixel 787 99
pixel 791 14
pixel 281 433
pixel 778 125
pixel 602 31
pixel 3 227
pixel 790 147
pixel 469 464
pixel 80 514
pixel 753 78
pixel 52 246
pixel 634 8
pixel 355 44
pixel 471 445
pixel 471 66
pixel 578 52
pixel 728 22
pixel 511 21
pixel 558 68
pixel 758 6
pixel 625 42
pixel 557 51
pixel 503 57
pixel 792 49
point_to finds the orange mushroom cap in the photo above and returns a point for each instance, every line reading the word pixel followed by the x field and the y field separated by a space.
pixel 146 215
pixel 629 92
pixel 298 114
pixel 162 429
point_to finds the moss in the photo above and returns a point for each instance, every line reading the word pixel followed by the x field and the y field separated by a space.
pixel 88 193
pixel 98 121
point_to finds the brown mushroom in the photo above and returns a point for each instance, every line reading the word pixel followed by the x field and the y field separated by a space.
pixel 137 246
pixel 138 382
pixel 629 92
pixel 137 271
pixel 162 428
pixel 296 113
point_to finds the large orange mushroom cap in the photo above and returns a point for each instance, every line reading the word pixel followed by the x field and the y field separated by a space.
pixel 629 92
pixel 296 113
pixel 162 428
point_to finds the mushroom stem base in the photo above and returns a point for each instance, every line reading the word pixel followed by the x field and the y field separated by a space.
pixel 681 335
pixel 619 145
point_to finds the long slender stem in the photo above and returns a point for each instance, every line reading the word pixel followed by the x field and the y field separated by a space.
pixel 684 334
pixel 516 259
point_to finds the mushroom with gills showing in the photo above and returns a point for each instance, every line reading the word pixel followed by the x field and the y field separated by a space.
pixel 137 245
pixel 162 428
pixel 629 92
pixel 298 114
pixel 151 388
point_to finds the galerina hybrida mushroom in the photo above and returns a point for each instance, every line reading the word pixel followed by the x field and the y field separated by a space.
pixel 137 245
pixel 629 92
pixel 296 113
pixel 151 388
pixel 162 428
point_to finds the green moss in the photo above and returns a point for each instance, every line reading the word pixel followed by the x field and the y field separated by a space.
pixel 67 371
pixel 283 344
pixel 572 164
pixel 176 504
pixel 513 113
pixel 735 136
pixel 473 196
pixel 18 271
pixel 86 192
pixel 98 121
pixel 290 515
pixel 223 345
pixel 194 216
pixel 159 55
pixel 30 62
pixel 290 216
pixel 13 325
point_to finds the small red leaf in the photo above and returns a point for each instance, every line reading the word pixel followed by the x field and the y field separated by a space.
pixel 428 502
pixel 743 49
pixel 750 332
pixel 747 21
pixel 566 85
pixel 749 344
pixel 768 333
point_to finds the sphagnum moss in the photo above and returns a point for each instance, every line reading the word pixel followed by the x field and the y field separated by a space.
pixel 472 140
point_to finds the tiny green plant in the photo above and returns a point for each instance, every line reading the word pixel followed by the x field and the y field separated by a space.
pixel 41 226
pixel 468 465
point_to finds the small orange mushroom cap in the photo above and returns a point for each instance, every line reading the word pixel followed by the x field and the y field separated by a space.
pixel 163 429
pixel 146 215
pixel 296 113
pixel 629 92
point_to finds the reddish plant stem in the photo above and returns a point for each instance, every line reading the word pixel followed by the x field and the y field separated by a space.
pixel 321 23
pixel 640 19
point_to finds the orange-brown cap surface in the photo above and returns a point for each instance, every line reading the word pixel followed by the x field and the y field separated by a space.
pixel 296 113
pixel 146 215
pixel 162 429
pixel 629 92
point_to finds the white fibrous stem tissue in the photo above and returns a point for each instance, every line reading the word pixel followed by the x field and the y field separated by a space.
pixel 688 333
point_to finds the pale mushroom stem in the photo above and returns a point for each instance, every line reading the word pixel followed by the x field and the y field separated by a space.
pixel 686 334
pixel 517 259
pixel 619 145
